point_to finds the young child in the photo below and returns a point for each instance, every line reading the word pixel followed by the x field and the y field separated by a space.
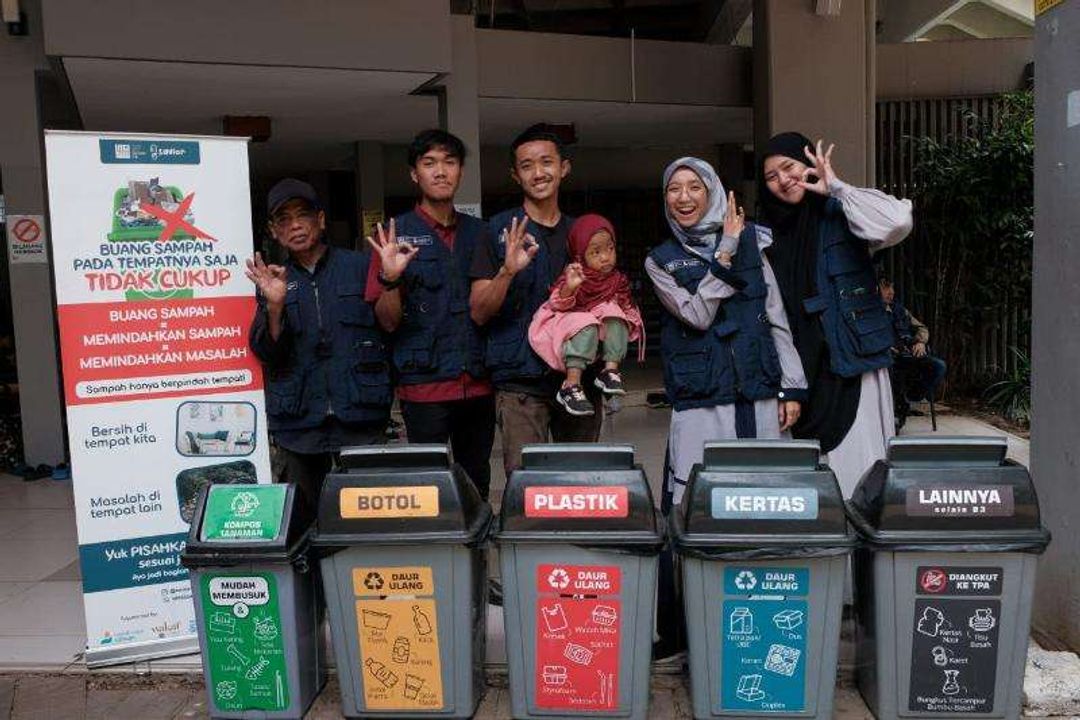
pixel 590 304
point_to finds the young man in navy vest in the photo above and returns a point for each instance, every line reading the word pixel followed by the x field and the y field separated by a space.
pixel 419 280
pixel 324 357
pixel 512 275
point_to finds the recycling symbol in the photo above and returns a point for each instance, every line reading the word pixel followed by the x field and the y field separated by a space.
pixel 373 581
pixel 746 580
pixel 558 578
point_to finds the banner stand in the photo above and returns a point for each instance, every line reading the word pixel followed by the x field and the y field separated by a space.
pixel 163 396
pixel 140 652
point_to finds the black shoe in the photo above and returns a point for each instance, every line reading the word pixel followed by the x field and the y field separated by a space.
pixel 657 400
pixel 573 400
pixel 610 382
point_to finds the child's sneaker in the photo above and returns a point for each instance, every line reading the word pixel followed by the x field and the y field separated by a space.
pixel 572 398
pixel 610 382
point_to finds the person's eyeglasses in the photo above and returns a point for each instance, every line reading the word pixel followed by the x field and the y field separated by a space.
pixel 284 220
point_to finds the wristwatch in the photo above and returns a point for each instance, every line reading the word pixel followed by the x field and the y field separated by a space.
pixel 390 284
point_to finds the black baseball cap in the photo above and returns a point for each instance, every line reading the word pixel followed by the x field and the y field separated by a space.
pixel 290 189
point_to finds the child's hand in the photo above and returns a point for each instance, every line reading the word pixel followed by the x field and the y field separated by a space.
pixel 575 275
pixel 724 259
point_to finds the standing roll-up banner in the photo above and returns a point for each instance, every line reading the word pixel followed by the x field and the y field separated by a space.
pixel 163 394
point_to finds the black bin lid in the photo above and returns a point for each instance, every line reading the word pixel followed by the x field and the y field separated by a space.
pixel 236 524
pixel 772 496
pixel 394 494
pixel 956 491
pixel 580 493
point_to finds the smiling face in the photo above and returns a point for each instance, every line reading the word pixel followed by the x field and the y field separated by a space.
pixel 600 255
pixel 538 169
pixel 686 197
pixel 782 177
pixel 437 173
pixel 297 226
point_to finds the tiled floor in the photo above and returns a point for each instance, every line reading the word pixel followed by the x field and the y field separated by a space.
pixel 41 619
pixel 41 614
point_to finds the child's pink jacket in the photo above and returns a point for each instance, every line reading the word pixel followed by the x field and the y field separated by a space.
pixel 554 323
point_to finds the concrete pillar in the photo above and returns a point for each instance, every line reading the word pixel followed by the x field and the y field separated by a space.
pixel 815 74
pixel 1055 299
pixel 459 107
pixel 370 186
pixel 22 170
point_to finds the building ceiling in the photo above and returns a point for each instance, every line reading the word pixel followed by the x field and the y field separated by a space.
pixel 316 113
pixel 925 20
pixel 617 125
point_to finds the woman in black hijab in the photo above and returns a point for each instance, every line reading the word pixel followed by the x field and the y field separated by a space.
pixel 824 232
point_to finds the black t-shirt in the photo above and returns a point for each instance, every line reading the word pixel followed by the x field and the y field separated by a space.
pixel 486 264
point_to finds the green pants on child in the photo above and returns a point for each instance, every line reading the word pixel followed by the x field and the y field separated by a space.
pixel 579 351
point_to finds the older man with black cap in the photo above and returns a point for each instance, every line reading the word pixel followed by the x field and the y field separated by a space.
pixel 325 359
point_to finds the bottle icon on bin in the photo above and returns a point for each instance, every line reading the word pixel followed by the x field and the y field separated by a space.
pixel 421 621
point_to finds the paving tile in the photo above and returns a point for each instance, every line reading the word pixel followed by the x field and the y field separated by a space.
pixel 40 494
pixel 37 524
pixel 681 698
pixel 7 696
pixel 486 709
pixel 327 705
pixel 9 590
pixel 51 653
pixel 502 705
pixel 128 703
pixel 34 560
pixel 69 572
pixel 178 663
pixel 49 698
pixel 195 708
pixel 848 705
pixel 661 704
pixel 47 608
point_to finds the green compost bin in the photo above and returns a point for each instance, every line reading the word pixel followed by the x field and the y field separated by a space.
pixel 579 539
pixel 944 578
pixel 257 602
pixel 763 545
pixel 401 537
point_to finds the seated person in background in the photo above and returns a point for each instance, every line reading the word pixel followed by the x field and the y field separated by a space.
pixel 917 371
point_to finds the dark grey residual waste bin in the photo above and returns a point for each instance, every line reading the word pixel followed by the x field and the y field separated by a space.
pixel 401 537
pixel 256 601
pixel 763 544
pixel 944 578
pixel 578 544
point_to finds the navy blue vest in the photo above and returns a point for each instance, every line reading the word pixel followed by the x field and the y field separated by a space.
pixel 736 354
pixel 337 359
pixel 856 325
pixel 437 340
pixel 509 355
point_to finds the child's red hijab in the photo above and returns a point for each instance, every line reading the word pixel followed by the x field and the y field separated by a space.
pixel 597 287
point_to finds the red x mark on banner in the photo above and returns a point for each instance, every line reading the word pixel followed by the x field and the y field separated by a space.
pixel 174 221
